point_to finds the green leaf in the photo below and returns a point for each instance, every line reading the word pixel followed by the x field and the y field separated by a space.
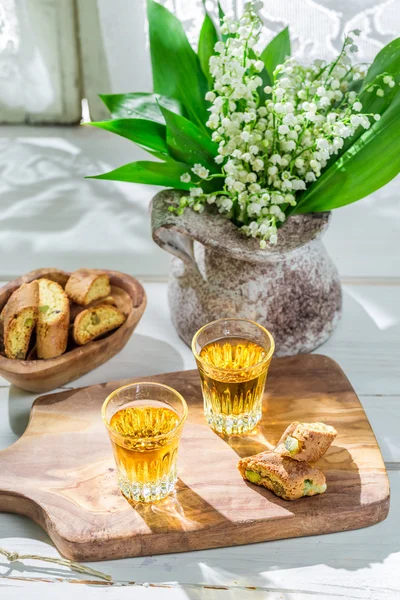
pixel 176 67
pixel 266 80
pixel 221 16
pixel 386 61
pixel 146 134
pixel 369 164
pixel 188 143
pixel 152 173
pixel 276 52
pixel 207 40
pixel 140 105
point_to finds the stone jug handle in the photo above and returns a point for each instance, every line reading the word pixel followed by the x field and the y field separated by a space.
pixel 175 233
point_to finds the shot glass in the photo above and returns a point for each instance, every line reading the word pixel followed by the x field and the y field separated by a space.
pixel 144 422
pixel 233 357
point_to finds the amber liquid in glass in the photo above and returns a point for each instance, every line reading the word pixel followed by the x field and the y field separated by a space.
pixel 146 464
pixel 233 385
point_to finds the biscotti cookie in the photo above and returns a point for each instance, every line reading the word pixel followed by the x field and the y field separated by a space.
pixel 287 478
pixel 306 441
pixel 53 320
pixel 96 321
pixel 86 286
pixel 78 308
pixel 19 318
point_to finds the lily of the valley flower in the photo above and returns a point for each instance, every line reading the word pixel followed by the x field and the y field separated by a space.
pixel 274 141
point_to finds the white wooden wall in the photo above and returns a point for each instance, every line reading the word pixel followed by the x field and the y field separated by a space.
pixel 54 53
pixel 39 62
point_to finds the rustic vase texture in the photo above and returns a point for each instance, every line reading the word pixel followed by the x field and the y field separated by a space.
pixel 291 288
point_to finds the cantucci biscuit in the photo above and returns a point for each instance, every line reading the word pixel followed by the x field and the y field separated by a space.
pixel 96 321
pixel 53 320
pixel 287 478
pixel 19 318
pixel 78 308
pixel 87 285
pixel 306 441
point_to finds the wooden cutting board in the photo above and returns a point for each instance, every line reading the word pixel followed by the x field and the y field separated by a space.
pixel 61 472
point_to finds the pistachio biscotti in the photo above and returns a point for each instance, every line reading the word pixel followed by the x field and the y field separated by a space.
pixel 19 318
pixel 306 441
pixel 78 308
pixel 87 285
pixel 287 478
pixel 53 319
pixel 96 321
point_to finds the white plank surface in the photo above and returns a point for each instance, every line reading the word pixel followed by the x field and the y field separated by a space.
pixel 363 238
pixel 51 215
pixel 361 564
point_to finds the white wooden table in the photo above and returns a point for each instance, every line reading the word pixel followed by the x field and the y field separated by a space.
pixel 362 564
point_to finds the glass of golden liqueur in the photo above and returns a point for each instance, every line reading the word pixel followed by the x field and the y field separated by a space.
pixel 233 357
pixel 145 422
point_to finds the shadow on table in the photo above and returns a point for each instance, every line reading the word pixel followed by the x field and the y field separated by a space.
pixel 182 511
pixel 248 444
pixel 132 361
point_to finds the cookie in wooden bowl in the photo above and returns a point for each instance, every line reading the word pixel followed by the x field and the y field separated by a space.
pixel 88 285
pixel 96 321
pixel 18 320
pixel 53 319
pixel 40 375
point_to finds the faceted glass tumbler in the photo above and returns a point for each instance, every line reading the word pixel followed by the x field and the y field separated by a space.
pixel 144 421
pixel 233 357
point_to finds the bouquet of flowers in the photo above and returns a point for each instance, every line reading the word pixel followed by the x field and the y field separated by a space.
pixel 254 134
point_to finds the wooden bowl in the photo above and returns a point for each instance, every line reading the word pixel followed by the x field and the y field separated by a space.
pixel 45 375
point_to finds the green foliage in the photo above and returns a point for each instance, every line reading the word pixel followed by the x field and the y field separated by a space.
pixel 276 52
pixel 371 162
pixel 149 135
pixel 140 105
pixel 221 13
pixel 176 67
pixel 188 143
pixel 386 61
pixel 154 173
pixel 221 16
pixel 369 159
pixel 207 40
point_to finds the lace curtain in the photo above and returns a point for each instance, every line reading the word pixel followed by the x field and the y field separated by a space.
pixel 317 27
pixel 44 72
pixel 38 61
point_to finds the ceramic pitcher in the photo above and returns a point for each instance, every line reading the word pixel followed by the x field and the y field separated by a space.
pixel 291 288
